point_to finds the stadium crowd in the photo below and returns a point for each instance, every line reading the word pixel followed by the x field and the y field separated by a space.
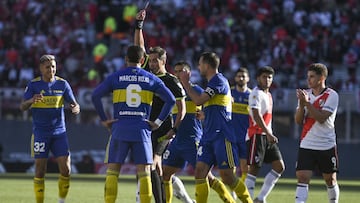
pixel 90 37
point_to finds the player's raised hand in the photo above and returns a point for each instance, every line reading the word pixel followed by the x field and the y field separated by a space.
pixel 184 76
pixel 141 15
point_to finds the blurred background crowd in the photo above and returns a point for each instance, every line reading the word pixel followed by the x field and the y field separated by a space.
pixel 89 37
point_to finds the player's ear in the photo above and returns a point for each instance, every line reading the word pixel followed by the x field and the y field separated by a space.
pixel 142 60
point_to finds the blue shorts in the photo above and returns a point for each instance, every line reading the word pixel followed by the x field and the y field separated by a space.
pixel 178 157
pixel 117 151
pixel 42 144
pixel 219 152
pixel 242 150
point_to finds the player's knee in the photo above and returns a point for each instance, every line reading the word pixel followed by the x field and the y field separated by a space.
pixel 330 180
pixel 228 177
pixel 303 178
pixel 279 167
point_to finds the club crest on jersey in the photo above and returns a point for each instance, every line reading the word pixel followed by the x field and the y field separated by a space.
pixel 321 102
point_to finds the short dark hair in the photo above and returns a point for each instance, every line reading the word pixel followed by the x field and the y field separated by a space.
pixel 242 70
pixel 159 51
pixel 211 58
pixel 134 54
pixel 319 69
pixel 46 57
pixel 184 64
pixel 265 69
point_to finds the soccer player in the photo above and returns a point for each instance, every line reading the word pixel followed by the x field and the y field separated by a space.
pixel 217 145
pixel 45 95
pixel 240 115
pixel 183 147
pixel 156 64
pixel 132 91
pixel 262 143
pixel 316 112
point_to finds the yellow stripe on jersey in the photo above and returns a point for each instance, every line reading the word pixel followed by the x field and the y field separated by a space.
pixel 49 102
pixel 229 153
pixel 190 108
pixel 120 96
pixel 145 62
pixel 106 160
pixel 32 146
pixel 59 78
pixel 219 100
pixel 240 108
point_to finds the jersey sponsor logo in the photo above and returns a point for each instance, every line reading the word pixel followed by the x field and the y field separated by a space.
pixel 50 102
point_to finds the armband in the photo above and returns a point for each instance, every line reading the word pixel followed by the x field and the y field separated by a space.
pixel 139 24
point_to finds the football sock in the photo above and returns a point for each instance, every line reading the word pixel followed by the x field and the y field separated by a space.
pixel 156 186
pixel 111 186
pixel 250 184
pixel 168 191
pixel 333 193
pixel 241 191
pixel 269 182
pixel 201 190
pixel 221 190
pixel 145 191
pixel 179 189
pixel 63 184
pixel 39 189
pixel 243 177
pixel 302 191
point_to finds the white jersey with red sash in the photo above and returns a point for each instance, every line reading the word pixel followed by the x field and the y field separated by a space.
pixel 315 135
pixel 258 99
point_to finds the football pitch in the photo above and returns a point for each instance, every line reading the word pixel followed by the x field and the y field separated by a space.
pixel 18 188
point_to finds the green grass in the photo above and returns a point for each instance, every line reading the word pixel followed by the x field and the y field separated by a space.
pixel 18 188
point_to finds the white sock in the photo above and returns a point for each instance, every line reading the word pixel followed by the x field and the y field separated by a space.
pixel 234 195
pixel 61 200
pixel 250 184
pixel 179 190
pixel 269 182
pixel 302 191
pixel 333 193
pixel 137 197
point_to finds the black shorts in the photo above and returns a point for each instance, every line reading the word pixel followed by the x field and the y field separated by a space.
pixel 324 160
pixel 158 143
pixel 261 151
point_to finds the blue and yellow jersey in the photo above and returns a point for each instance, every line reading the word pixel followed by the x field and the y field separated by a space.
pixel 132 91
pixel 190 128
pixel 48 115
pixel 240 113
pixel 218 110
